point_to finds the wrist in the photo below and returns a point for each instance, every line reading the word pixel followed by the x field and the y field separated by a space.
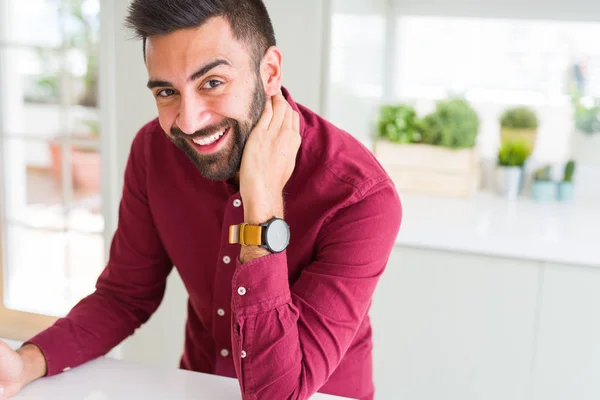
pixel 34 363
pixel 249 253
pixel 260 211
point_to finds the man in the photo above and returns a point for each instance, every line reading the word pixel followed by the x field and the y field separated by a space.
pixel 280 301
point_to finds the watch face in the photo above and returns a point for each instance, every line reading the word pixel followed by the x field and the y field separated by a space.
pixel 278 235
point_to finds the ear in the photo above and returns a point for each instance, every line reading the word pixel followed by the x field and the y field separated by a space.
pixel 270 70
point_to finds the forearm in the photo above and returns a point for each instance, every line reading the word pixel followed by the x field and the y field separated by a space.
pixel 34 363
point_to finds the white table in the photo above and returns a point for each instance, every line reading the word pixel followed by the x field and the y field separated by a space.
pixel 110 379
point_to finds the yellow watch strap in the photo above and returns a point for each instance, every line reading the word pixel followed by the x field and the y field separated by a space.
pixel 246 235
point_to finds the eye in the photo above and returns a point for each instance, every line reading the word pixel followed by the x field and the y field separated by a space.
pixel 213 83
pixel 165 93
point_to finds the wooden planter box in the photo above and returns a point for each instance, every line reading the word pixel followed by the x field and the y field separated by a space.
pixel 430 170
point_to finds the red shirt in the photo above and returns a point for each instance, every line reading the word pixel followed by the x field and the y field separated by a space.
pixel 286 325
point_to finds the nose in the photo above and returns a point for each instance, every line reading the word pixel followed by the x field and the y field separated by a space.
pixel 193 115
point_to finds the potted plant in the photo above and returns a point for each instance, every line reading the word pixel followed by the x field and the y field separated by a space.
pixel 399 124
pixel 565 188
pixel 543 188
pixel 509 175
pixel 519 123
pixel 434 155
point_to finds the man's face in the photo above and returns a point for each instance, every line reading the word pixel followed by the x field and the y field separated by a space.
pixel 208 92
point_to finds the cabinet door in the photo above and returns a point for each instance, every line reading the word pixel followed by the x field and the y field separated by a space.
pixel 454 326
pixel 568 350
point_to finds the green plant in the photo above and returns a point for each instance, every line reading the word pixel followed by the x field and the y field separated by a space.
pixel 587 114
pixel 453 124
pixel 542 174
pixel 513 153
pixel 399 123
pixel 569 171
pixel 519 117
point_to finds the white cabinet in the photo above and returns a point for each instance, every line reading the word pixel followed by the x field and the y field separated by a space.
pixel 568 347
pixel 454 326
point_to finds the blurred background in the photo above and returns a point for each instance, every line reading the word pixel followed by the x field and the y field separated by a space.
pixel 485 114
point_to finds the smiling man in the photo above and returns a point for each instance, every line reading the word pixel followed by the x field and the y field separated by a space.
pixel 279 223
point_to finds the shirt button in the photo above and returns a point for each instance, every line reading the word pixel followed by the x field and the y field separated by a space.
pixel 243 354
pixel 226 259
pixel 224 353
pixel 66 369
pixel 237 203
pixel 221 312
pixel 241 291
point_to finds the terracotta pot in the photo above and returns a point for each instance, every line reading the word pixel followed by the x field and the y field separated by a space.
pixel 86 168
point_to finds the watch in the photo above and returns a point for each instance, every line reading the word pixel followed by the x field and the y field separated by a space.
pixel 273 235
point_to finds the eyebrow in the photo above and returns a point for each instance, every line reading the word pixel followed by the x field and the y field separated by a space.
pixel 152 83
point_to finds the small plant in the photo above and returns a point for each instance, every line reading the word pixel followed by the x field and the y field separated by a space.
pixel 569 171
pixel 453 124
pixel 513 153
pixel 399 124
pixel 587 114
pixel 542 174
pixel 519 117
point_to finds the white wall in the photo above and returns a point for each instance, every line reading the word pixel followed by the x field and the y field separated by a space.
pixel 301 37
pixel 580 10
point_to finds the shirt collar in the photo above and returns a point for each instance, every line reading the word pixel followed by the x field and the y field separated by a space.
pixel 296 108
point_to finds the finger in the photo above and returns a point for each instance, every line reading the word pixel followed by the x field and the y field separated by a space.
pixel 288 120
pixel 296 122
pixel 279 109
pixel 267 114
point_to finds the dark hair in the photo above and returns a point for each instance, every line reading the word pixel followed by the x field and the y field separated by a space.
pixel 249 20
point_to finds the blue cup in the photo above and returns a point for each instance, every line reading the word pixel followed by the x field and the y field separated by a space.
pixel 565 191
pixel 543 191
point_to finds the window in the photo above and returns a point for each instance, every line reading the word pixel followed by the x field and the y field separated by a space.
pixel 497 63
pixel 388 57
pixel 52 244
pixel 357 57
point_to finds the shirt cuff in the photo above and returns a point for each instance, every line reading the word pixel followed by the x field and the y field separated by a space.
pixel 58 347
pixel 261 284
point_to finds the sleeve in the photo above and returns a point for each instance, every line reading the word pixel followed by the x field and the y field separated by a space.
pixel 287 341
pixel 129 289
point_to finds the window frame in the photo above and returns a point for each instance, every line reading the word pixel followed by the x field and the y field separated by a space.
pixel 20 325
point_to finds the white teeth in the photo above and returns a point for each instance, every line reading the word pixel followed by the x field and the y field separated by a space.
pixel 211 139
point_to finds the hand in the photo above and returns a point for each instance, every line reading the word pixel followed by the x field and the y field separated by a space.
pixel 269 159
pixel 18 368
pixel 12 368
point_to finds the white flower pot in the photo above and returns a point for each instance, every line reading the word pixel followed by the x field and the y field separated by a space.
pixel 509 181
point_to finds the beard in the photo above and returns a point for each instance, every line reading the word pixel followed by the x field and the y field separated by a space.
pixel 225 164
